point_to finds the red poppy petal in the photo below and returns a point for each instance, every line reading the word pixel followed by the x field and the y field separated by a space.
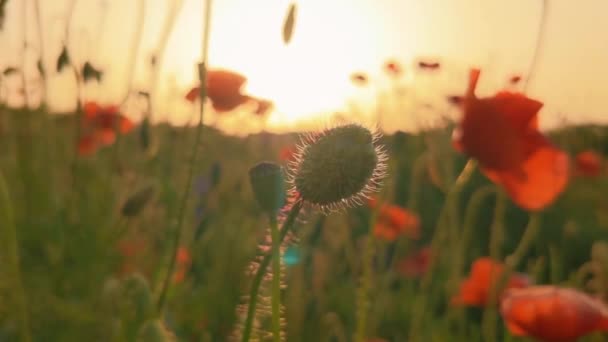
pixel 192 95
pixel 538 181
pixel 111 109
pixel 385 231
pixel 515 329
pixel 520 110
pixel 224 84
pixel 589 164
pixel 86 146
pixel 106 136
pixel 91 109
pixel 126 125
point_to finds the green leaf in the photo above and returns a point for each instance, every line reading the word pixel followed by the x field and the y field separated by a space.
pixel 288 23
pixel 63 60
pixel 90 73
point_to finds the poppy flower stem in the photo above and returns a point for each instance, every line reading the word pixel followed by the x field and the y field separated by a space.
pixel 182 210
pixel 257 280
pixel 438 237
pixel 511 262
pixel 11 247
pixel 276 279
pixel 471 215
pixel 539 41
pixel 415 181
pixel 496 239
pixel 363 302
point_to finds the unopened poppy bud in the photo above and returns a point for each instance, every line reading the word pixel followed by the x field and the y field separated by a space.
pixel 338 167
pixel 136 202
pixel 268 186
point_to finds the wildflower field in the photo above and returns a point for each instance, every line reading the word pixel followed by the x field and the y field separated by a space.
pixel 479 227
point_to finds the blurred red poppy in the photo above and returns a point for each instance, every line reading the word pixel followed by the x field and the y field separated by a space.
pixel 501 132
pixel 358 78
pixel 86 145
pixel 485 272
pixel 392 68
pixel 553 314
pixel 183 260
pixel 416 264
pixel 426 65
pixel 224 90
pixel 394 221
pixel 589 164
pixel 99 126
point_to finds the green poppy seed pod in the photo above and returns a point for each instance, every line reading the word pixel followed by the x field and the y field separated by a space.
pixel 137 201
pixel 268 185
pixel 154 331
pixel 338 167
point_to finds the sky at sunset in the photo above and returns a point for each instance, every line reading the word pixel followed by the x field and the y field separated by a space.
pixel 309 78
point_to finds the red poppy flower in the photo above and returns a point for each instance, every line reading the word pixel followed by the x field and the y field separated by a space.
pixel 416 264
pixel 106 118
pixel 183 261
pixel 394 221
pixel 553 314
pixel 589 164
pixel 99 124
pixel 515 79
pixel 501 132
pixel 359 78
pixel 392 68
pixel 86 145
pixel 426 65
pixel 224 90
pixel 485 273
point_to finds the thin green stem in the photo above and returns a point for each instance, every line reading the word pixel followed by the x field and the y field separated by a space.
pixel 12 249
pixel 415 181
pixel 276 279
pixel 257 280
pixel 363 303
pixel 440 232
pixel 496 238
pixel 184 202
pixel 523 247
pixel 135 45
pixel 511 262
pixel 539 41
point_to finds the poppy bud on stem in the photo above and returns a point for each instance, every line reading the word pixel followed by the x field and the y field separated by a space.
pixel 269 189
pixel 333 169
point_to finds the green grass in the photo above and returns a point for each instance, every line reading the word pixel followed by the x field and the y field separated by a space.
pixel 67 214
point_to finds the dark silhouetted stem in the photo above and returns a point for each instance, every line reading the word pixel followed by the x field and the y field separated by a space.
pixel 182 210
pixel 276 279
